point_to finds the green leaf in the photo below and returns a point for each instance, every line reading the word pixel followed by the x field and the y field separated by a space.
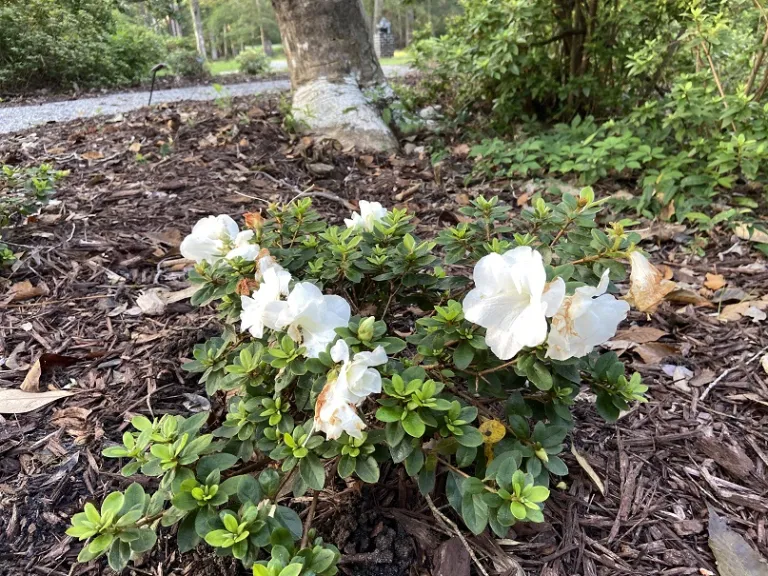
pixel 401 451
pixel 556 466
pixel 291 570
pixel 474 511
pixel 414 462
pixel 389 414
pixel 540 376
pixel 463 355
pixel 394 433
pixel 119 555
pixel 290 519
pixel 518 510
pixel 346 466
pixel 322 560
pixel 312 472
pixel 186 538
pixel 112 504
pixel 208 464
pixel 413 425
pixel 100 543
pixel 471 437
pixel 248 490
pixel 367 469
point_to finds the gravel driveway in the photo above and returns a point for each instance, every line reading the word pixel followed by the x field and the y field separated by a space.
pixel 21 117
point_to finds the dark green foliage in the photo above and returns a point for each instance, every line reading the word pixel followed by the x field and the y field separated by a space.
pixel 59 44
pixel 187 63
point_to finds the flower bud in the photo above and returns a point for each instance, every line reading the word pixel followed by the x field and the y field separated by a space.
pixel 542 455
pixel 365 330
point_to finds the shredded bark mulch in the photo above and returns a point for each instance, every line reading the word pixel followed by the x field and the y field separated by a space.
pixel 136 188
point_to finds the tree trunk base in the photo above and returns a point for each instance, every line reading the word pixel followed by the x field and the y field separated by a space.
pixel 339 110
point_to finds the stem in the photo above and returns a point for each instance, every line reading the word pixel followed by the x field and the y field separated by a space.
pixel 496 368
pixel 310 518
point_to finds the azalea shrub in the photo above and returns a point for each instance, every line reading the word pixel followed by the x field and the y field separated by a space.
pixel 349 350
pixel 23 193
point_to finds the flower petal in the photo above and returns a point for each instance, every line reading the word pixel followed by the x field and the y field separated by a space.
pixel 340 351
pixel 554 293
pixel 647 284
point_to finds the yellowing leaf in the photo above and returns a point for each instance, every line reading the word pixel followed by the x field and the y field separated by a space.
pixel 493 431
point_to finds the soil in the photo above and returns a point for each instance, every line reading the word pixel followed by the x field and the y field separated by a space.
pixel 115 232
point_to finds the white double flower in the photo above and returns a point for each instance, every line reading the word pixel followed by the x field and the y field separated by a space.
pixel 357 379
pixel 512 301
pixel 217 237
pixel 370 213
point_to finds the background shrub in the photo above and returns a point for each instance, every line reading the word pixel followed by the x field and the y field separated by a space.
pixel 59 44
pixel 187 64
pixel 253 61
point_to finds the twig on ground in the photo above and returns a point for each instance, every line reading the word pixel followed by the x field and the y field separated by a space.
pixel 328 196
pixel 728 371
pixel 448 522
pixel 310 518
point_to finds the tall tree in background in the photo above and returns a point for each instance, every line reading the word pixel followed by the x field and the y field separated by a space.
pixel 197 22
pixel 331 60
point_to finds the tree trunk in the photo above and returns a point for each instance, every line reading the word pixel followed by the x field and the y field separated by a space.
pixel 331 60
pixel 377 8
pixel 197 22
pixel 408 26
pixel 214 48
pixel 266 45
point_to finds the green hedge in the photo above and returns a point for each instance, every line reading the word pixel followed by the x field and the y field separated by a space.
pixel 62 43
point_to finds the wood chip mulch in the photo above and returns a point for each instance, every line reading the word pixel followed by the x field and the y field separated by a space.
pixel 136 188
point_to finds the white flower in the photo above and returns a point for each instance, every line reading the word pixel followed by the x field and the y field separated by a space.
pixel 370 213
pixel 217 237
pixel 647 286
pixel 254 314
pixel 309 317
pixel 244 248
pixel 585 320
pixel 267 263
pixel 357 378
pixel 512 300
pixel 334 415
pixel 335 409
pixel 209 239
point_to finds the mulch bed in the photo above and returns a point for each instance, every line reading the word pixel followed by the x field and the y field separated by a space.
pixel 116 232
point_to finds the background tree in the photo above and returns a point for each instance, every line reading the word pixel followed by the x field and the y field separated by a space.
pixel 331 61
pixel 197 22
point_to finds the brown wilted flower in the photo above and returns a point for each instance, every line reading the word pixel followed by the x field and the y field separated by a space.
pixel 245 286
pixel 647 286
pixel 254 220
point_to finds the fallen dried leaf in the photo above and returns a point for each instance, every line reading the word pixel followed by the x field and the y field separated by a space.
pixel 640 334
pixel 462 150
pixel 764 363
pixel 688 297
pixel 32 379
pixel 43 364
pixel 151 303
pixel 743 232
pixel 135 147
pixel 588 469
pixel 92 155
pixel 21 402
pixel 661 230
pixel 714 281
pixel 756 314
pixel 751 396
pixel 26 290
pixel 734 312
pixel 734 556
pixel 655 352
